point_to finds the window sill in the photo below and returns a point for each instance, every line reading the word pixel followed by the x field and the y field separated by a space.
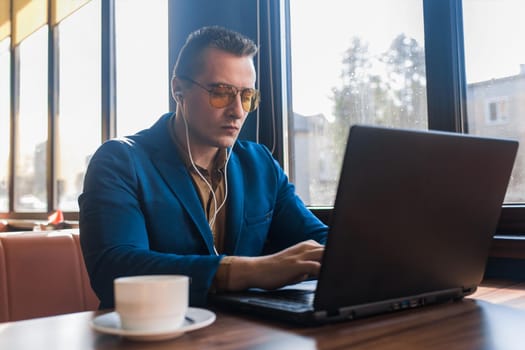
pixel 506 246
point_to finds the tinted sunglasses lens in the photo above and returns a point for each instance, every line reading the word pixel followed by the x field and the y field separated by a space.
pixel 221 96
pixel 250 99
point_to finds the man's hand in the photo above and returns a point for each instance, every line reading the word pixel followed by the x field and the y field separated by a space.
pixel 288 266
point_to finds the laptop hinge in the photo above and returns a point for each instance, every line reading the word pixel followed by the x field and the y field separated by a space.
pixel 351 312
pixel 469 290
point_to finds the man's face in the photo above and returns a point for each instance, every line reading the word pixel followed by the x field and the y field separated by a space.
pixel 216 127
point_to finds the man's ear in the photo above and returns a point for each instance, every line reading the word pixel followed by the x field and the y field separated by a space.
pixel 176 90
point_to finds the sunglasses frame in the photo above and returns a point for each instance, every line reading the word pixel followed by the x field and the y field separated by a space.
pixel 254 100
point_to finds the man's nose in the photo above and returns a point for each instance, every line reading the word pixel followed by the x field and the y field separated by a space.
pixel 236 109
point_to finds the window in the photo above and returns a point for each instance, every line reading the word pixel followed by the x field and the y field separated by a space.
pixel 78 120
pixel 31 128
pixel 142 63
pixel 495 72
pixel 497 111
pixel 5 116
pixel 373 72
pixel 70 89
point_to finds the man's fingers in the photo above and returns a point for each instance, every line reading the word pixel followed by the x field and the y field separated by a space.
pixel 315 254
pixel 309 267
pixel 302 246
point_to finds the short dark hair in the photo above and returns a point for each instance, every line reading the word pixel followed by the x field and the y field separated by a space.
pixel 217 37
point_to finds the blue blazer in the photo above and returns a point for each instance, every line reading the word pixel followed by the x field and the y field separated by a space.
pixel 140 212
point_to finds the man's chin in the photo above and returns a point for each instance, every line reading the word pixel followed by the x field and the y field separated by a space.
pixel 226 142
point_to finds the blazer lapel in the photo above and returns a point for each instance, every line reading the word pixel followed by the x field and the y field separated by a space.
pixel 235 205
pixel 182 187
pixel 164 155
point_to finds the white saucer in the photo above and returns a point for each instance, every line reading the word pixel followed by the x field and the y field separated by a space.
pixel 195 318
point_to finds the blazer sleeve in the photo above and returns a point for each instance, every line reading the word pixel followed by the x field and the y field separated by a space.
pixel 113 233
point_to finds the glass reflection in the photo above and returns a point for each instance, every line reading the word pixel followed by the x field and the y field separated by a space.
pixel 31 128
pixel 142 63
pixel 5 111
pixel 356 62
pixel 78 121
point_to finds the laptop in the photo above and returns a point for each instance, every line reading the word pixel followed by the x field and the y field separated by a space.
pixel 412 224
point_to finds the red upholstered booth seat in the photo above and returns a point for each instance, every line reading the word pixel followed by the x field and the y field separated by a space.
pixel 42 274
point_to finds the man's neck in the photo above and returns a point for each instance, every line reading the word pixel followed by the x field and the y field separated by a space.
pixel 202 155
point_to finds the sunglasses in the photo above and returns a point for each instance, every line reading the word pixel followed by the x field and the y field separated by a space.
pixel 223 95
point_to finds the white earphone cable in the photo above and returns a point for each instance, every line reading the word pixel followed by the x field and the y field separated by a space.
pixel 214 197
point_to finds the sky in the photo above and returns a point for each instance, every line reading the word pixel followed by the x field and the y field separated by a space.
pixel 494 38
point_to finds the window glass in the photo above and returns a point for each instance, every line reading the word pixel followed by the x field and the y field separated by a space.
pixel 79 111
pixel 352 62
pixel 31 127
pixel 495 72
pixel 5 111
pixel 142 63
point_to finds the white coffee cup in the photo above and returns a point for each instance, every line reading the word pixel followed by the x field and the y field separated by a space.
pixel 153 302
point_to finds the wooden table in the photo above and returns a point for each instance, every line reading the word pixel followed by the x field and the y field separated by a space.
pixel 493 318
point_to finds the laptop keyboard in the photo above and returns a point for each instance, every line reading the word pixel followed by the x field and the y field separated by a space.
pixel 285 299
pixel 305 297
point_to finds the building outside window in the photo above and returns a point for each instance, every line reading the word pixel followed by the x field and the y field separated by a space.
pixel 495 73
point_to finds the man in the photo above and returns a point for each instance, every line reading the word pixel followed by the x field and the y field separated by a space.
pixel 185 197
